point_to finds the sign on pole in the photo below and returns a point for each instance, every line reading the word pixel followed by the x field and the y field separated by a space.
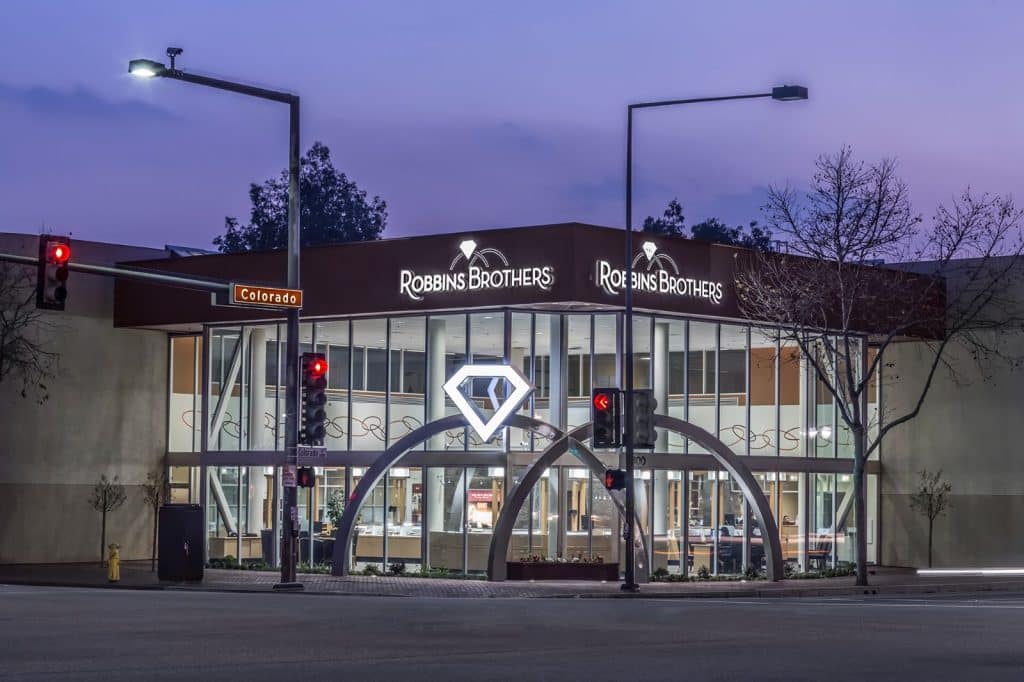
pixel 310 454
pixel 265 297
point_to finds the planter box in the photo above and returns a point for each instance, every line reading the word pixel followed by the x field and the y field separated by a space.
pixel 530 570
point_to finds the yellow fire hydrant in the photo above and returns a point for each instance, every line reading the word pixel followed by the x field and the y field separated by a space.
pixel 114 563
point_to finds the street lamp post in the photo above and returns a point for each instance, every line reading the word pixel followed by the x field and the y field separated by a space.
pixel 785 93
pixel 146 68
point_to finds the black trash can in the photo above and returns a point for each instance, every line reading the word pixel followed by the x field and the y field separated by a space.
pixel 180 542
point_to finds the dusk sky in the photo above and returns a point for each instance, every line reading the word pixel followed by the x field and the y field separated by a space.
pixel 465 115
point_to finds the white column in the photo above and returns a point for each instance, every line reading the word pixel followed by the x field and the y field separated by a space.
pixel 558 391
pixel 437 346
pixel 661 371
pixel 258 435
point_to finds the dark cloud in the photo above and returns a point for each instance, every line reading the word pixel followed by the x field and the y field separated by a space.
pixel 79 102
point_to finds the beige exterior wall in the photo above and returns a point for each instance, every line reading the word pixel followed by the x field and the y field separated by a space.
pixel 970 427
pixel 106 414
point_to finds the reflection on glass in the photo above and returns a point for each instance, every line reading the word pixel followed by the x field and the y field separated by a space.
pixel 447 517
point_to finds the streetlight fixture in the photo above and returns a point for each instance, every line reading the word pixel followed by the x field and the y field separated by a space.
pixel 148 68
pixel 782 93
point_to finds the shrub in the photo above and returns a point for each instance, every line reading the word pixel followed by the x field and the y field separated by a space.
pixel 397 568
pixel 371 569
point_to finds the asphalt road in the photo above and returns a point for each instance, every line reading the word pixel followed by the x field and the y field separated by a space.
pixel 63 633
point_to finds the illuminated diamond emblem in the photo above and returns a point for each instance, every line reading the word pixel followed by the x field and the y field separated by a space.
pixel 521 390
pixel 649 249
pixel 467 247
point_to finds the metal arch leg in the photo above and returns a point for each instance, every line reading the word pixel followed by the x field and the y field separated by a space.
pixel 733 463
pixel 342 557
pixel 502 536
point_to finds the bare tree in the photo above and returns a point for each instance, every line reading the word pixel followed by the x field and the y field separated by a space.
pixel 107 495
pixel 156 491
pixel 952 286
pixel 24 331
pixel 931 499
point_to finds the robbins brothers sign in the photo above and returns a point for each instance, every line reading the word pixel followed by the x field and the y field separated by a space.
pixel 475 270
pixel 661 276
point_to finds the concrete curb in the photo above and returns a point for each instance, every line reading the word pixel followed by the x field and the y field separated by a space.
pixel 752 593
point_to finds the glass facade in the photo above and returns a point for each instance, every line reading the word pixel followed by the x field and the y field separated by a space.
pixel 385 379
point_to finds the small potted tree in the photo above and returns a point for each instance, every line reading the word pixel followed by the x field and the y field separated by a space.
pixel 107 495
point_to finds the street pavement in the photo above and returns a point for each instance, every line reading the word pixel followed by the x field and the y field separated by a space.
pixel 52 633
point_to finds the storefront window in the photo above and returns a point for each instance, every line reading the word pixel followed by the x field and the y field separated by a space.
pixel 184 406
pixel 408 369
pixel 446 346
pixel 791 435
pixel 447 517
pixel 700 514
pixel 484 501
pixel 702 378
pixel 669 498
pixel 487 347
pixel 763 429
pixel 733 400
pixel 369 406
pixel 405 517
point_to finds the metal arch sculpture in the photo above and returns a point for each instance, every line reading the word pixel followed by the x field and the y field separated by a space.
pixel 502 536
pixel 741 474
pixel 343 537
pixel 496 561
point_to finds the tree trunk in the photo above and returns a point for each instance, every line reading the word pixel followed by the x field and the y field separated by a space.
pixel 860 503
pixel 152 564
pixel 103 537
pixel 931 523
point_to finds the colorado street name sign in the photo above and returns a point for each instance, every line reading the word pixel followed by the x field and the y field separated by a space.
pixel 660 276
pixel 265 297
pixel 475 269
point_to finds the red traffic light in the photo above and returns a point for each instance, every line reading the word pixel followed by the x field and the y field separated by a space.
pixel 318 368
pixel 614 479
pixel 602 401
pixel 58 253
pixel 305 477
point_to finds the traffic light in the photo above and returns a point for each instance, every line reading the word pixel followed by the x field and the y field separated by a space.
pixel 305 477
pixel 52 277
pixel 314 399
pixel 643 431
pixel 614 479
pixel 605 408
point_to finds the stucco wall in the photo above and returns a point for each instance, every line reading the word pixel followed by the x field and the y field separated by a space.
pixel 106 414
pixel 971 429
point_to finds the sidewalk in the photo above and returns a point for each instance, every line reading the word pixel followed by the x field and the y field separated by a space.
pixel 137 575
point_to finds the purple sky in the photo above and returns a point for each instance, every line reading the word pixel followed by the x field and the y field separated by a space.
pixel 472 114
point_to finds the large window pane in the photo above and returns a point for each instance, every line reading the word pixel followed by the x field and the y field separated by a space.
pixel 764 434
pixel 732 388
pixel 369 414
pixel 408 369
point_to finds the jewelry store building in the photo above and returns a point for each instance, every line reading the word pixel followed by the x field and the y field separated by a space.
pixel 397 318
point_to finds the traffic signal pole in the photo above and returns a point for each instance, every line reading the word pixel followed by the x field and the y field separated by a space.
pixel 629 583
pixel 290 527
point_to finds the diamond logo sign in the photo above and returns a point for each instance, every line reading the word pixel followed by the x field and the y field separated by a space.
pixel 467 247
pixel 521 390
pixel 649 249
